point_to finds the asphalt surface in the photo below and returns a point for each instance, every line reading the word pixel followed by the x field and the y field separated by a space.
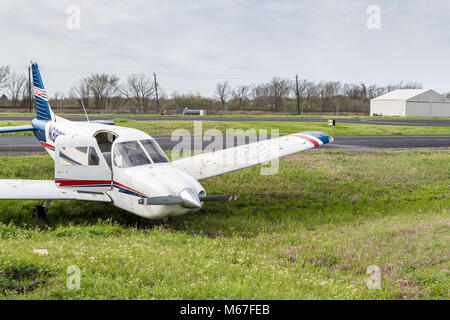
pixel 29 144
pixel 377 121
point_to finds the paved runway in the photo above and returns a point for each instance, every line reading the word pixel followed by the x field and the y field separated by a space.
pixel 378 121
pixel 29 144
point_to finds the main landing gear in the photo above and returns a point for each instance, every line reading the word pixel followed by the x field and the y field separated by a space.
pixel 41 212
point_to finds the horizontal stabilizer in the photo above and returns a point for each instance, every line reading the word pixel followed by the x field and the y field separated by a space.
pixel 16 128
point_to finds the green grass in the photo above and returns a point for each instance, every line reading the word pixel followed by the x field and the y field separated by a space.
pixel 309 232
pixel 160 128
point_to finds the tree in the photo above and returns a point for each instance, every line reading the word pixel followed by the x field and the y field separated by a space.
pixel 301 88
pixel 241 94
pixel 4 74
pixel 140 89
pixel 15 84
pixel 279 89
pixel 103 87
pixel 259 93
pixel 58 98
pixel 223 92
pixel 82 91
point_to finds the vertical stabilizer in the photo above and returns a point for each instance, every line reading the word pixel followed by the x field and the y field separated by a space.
pixel 43 110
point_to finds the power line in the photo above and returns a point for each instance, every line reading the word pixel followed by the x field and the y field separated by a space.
pixel 162 74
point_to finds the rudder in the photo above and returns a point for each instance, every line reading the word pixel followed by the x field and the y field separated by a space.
pixel 43 110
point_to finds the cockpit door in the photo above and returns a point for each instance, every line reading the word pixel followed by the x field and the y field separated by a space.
pixel 80 165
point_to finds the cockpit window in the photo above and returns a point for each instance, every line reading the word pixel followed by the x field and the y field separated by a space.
pixel 154 151
pixel 129 154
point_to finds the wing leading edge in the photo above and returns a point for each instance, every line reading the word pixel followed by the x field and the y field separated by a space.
pixel 215 163
pixel 44 190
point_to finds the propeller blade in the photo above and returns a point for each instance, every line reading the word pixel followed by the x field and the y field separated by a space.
pixel 162 200
pixel 218 198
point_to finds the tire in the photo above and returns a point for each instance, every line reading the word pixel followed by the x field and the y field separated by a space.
pixel 39 212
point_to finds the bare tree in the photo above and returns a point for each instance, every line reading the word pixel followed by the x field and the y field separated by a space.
pixel 25 94
pixel 58 99
pixel 279 89
pixel 222 93
pixel 4 74
pixel 300 88
pixel 140 89
pixel 103 87
pixel 259 93
pixel 15 84
pixel 241 94
pixel 82 91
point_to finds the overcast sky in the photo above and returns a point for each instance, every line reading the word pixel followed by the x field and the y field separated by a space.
pixel 191 45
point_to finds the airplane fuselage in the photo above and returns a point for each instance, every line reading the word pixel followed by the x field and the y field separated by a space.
pixel 127 183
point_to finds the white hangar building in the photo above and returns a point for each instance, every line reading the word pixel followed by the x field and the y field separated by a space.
pixel 411 102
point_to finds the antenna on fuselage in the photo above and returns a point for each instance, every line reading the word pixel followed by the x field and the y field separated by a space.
pixel 82 104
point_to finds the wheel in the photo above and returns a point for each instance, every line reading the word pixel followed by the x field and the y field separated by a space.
pixel 39 212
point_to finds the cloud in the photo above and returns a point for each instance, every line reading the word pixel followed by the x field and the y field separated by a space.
pixel 252 40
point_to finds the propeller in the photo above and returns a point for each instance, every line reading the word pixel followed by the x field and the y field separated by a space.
pixel 187 198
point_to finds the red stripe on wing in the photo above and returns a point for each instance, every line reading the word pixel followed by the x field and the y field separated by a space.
pixel 75 183
pixel 314 142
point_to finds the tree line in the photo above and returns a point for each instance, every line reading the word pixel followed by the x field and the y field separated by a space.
pixel 138 93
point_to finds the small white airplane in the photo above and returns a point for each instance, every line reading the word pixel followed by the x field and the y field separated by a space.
pixel 98 161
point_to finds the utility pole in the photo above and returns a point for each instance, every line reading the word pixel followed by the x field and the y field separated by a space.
pixel 29 88
pixel 156 91
pixel 298 94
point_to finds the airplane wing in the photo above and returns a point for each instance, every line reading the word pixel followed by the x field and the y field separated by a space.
pixel 215 163
pixel 44 190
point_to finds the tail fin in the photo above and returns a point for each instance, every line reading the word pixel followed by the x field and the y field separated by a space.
pixel 43 110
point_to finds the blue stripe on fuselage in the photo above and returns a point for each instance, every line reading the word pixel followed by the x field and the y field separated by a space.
pixel 39 129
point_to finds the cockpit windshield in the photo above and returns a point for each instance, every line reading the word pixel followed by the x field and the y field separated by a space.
pixel 129 154
pixel 132 154
pixel 154 151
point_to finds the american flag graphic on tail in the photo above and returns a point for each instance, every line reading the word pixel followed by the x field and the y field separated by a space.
pixel 40 93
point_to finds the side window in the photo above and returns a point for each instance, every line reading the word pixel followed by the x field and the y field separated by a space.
pixel 79 156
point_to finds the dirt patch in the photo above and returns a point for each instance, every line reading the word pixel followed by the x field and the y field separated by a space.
pixel 291 253
pixel 214 234
pixel 323 260
pixel 410 288
pixel 23 277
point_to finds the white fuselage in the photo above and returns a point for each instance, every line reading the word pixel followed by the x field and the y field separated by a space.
pixel 125 184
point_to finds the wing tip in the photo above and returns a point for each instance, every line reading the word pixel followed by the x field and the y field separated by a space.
pixel 320 135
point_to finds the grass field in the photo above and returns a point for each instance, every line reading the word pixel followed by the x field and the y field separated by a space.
pixel 160 128
pixel 309 232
